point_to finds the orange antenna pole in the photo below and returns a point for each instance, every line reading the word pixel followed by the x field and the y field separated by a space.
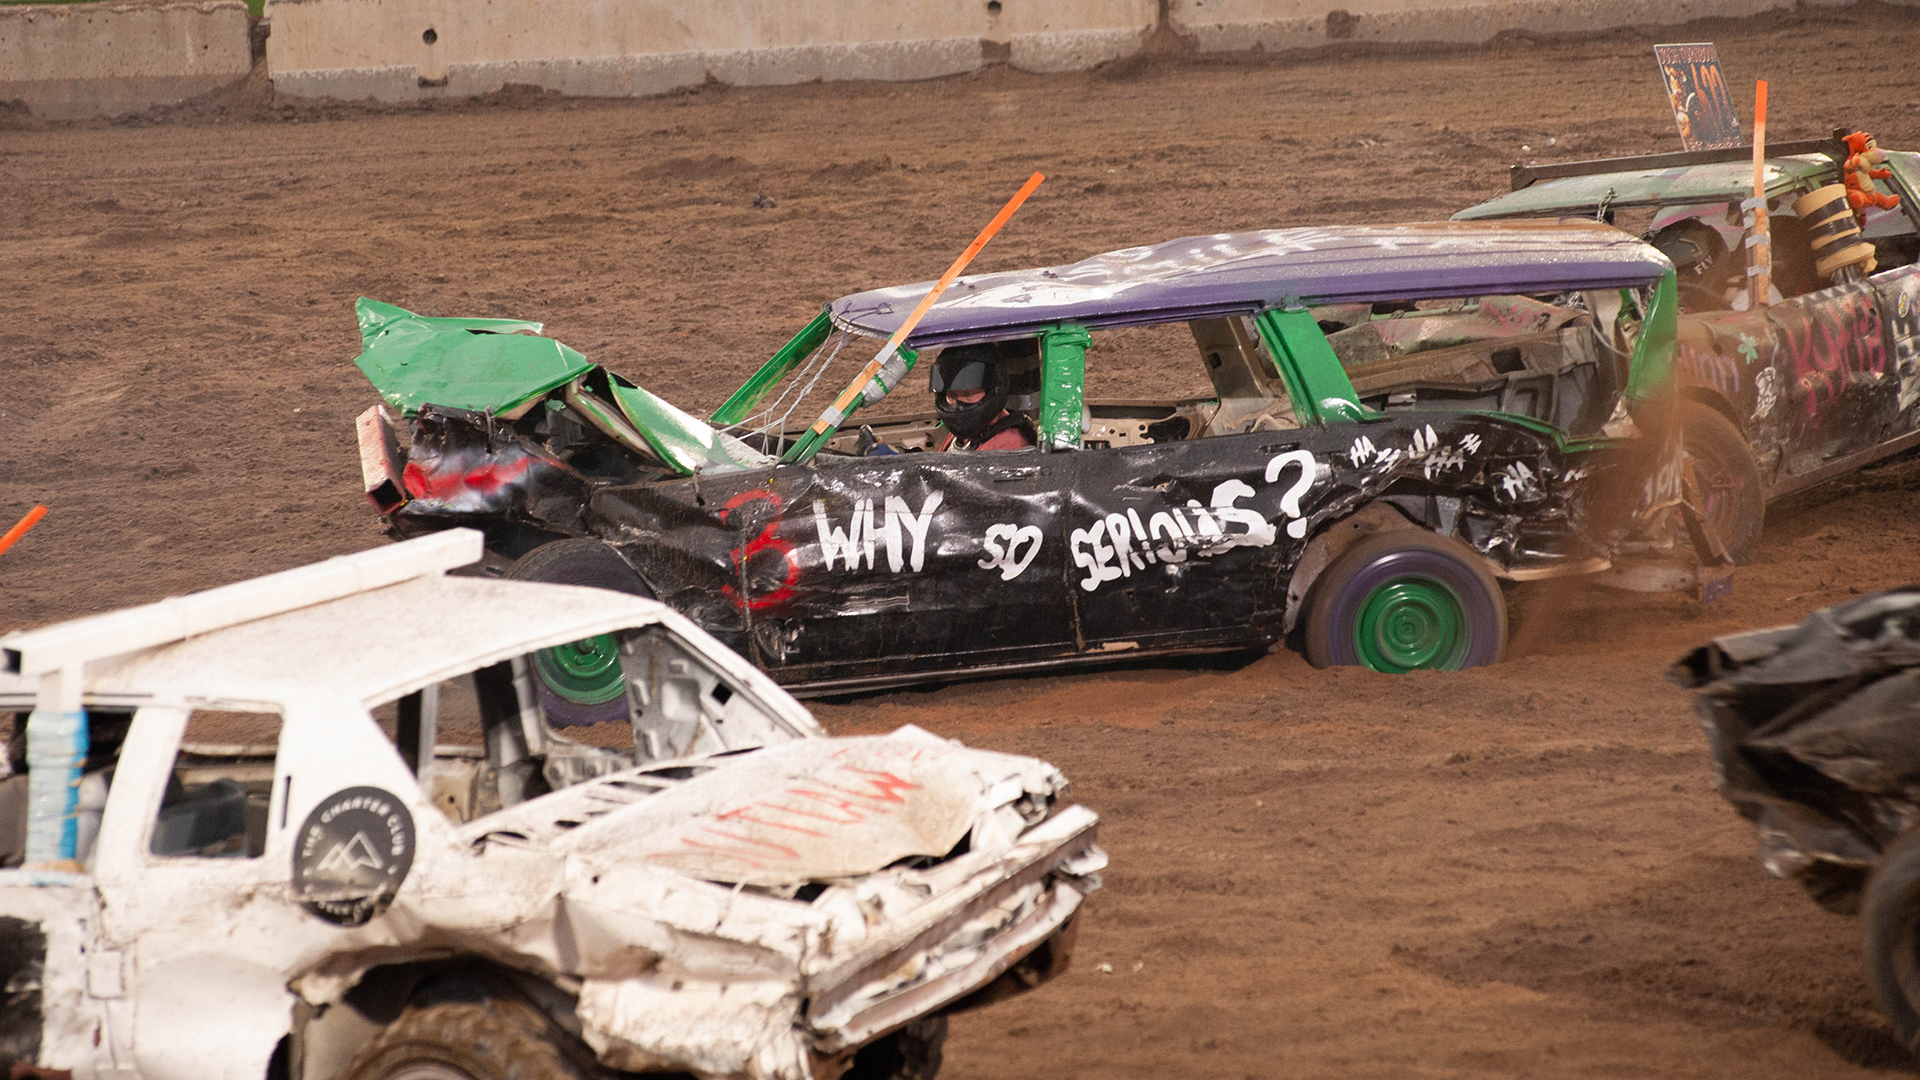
pixel 33 518
pixel 1759 235
pixel 854 389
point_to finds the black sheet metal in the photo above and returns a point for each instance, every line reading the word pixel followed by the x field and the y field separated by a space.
pixel 1815 731
pixel 887 568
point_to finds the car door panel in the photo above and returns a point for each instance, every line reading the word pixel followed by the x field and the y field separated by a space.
pixel 1899 294
pixel 60 1010
pixel 1837 373
pixel 213 941
pixel 907 562
pixel 1741 358
pixel 1183 543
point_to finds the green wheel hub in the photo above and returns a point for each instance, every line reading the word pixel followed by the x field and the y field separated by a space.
pixel 1411 623
pixel 586 672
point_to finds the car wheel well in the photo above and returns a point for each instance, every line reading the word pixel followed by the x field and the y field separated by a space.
pixel 326 1038
pixel 1729 487
pixel 1332 539
pixel 583 560
pixel 1716 401
pixel 1401 600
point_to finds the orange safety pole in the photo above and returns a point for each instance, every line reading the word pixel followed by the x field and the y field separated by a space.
pixel 1759 235
pixel 859 384
pixel 33 518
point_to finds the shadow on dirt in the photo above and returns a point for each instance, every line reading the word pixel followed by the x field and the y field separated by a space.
pixel 1641 953
pixel 1867 1045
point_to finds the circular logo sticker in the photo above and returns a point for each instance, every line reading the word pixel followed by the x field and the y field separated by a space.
pixel 352 854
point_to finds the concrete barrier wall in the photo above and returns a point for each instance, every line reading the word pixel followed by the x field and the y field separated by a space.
pixel 399 50
pixel 73 61
pixel 1235 25
pixel 395 50
pixel 70 61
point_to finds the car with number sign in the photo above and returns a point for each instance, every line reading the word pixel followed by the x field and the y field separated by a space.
pixel 1400 423
pixel 322 825
pixel 1820 381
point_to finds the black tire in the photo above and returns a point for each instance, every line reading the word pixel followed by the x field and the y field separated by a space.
pixel 1727 477
pixel 1891 912
pixel 490 1037
pixel 1403 600
pixel 588 562
pixel 579 561
pixel 912 1053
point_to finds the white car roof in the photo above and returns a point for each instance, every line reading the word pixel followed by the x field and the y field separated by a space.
pixel 374 643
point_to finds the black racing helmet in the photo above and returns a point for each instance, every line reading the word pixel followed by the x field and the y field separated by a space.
pixel 969 367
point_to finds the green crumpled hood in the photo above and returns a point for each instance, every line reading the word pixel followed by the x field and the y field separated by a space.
pixel 483 365
pixel 498 366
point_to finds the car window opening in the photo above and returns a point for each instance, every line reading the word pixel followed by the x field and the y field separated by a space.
pixel 1547 358
pixel 218 794
pixel 106 732
pixel 512 731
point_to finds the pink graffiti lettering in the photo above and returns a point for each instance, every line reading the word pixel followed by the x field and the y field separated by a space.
pixel 886 785
pixel 875 792
pixel 748 849
pixel 748 814
pixel 856 804
pixel 1832 342
pixel 680 858
pixel 850 813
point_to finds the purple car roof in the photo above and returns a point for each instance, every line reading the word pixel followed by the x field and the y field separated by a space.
pixel 1228 273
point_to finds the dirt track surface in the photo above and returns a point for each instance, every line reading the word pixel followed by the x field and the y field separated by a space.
pixel 1516 871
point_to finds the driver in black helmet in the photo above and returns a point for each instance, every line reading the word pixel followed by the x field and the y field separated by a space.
pixel 970 387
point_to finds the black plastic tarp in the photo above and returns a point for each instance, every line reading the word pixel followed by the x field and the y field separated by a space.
pixel 1815 730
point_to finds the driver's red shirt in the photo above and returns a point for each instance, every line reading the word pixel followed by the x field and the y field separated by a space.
pixel 1013 438
pixel 1010 439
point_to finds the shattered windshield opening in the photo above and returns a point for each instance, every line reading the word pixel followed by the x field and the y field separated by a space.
pixel 795 401
pixel 499 735
pixel 800 384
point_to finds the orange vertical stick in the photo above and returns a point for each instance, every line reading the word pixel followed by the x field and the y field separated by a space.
pixel 1759 237
pixel 33 518
pixel 873 368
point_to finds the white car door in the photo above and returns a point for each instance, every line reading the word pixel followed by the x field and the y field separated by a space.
pixel 65 997
pixel 196 860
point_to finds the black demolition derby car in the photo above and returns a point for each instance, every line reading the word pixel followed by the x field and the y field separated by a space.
pixel 1820 381
pixel 1403 422
pixel 1815 730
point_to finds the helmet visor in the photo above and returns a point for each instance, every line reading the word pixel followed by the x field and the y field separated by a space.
pixel 958 377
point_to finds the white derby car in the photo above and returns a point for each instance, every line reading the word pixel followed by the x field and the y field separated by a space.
pixel 317 825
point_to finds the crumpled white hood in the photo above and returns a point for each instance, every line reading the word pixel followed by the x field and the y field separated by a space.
pixel 815 809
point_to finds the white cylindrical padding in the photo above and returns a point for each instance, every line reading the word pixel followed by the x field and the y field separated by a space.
pixel 56 750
